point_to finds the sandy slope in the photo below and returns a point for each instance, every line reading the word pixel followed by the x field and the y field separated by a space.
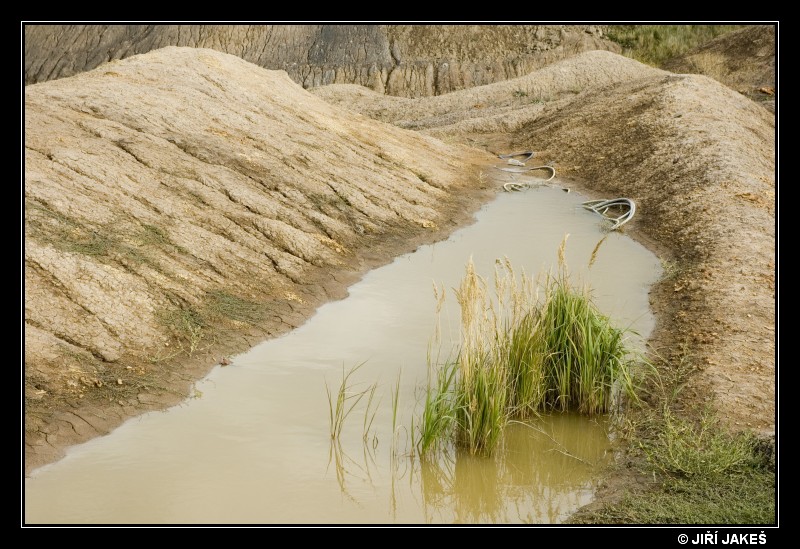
pixel 743 60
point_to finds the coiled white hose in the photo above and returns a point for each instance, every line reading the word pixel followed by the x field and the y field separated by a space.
pixel 601 207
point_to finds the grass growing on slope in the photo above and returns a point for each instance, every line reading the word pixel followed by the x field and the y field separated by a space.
pixel 654 44
pixel 702 474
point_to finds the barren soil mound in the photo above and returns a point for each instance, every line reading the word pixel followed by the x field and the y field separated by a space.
pixel 185 203
pixel 699 160
pixel 499 107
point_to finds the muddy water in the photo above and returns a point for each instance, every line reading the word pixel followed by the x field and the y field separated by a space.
pixel 253 446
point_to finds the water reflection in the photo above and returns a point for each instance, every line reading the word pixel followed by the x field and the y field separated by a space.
pixel 543 470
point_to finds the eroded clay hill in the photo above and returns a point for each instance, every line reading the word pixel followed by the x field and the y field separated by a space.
pixel 175 195
pixel 699 159
pixel 402 60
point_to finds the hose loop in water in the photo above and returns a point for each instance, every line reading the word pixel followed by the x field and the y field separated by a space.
pixel 602 207
pixel 626 206
pixel 518 160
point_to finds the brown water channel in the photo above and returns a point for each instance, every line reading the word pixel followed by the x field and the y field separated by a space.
pixel 253 446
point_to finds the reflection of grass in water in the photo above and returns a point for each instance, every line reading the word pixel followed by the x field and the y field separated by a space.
pixel 530 478
pixel 487 453
pixel 479 489
pixel 348 469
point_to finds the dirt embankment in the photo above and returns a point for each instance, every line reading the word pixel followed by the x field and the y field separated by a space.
pixel 502 107
pixel 184 204
pixel 699 160
pixel 402 60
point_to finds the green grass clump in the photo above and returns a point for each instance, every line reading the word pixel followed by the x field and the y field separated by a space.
pixel 744 497
pixel 520 355
pixel 655 44
pixel 585 355
pixel 438 411
pixel 481 410
pixel 525 360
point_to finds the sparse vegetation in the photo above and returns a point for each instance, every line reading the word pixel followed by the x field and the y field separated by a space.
pixel 186 325
pixel 70 235
pixel 746 497
pixel 654 44
pixel 346 399
pixel 698 448
pixel 104 242
pixel 670 269
pixel 703 473
pixel 220 303
pixel 150 235
pixel 190 325
pixel 529 97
